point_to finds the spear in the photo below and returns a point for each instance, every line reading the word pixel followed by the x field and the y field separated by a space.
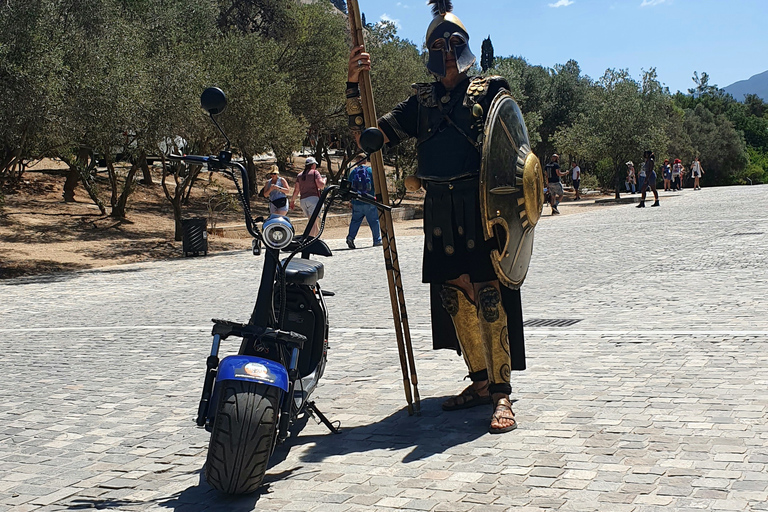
pixel 391 260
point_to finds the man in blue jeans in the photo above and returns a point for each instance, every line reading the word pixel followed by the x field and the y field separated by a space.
pixel 361 178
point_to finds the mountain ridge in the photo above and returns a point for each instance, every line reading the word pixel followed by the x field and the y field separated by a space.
pixel 757 84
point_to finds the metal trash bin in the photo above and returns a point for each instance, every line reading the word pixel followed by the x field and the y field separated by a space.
pixel 195 236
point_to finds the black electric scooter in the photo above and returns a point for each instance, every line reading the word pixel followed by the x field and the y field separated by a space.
pixel 251 399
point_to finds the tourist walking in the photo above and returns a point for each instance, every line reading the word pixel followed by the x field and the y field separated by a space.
pixel 666 172
pixel 631 180
pixel 576 177
pixel 650 180
pixel 696 172
pixel 309 185
pixel 361 180
pixel 553 183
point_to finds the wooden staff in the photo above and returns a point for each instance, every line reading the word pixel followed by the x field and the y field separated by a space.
pixel 391 260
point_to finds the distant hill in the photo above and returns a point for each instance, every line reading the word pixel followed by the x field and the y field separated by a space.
pixel 758 84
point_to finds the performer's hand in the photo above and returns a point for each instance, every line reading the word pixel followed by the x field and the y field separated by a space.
pixel 358 61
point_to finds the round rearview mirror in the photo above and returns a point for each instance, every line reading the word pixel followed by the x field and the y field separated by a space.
pixel 371 140
pixel 213 100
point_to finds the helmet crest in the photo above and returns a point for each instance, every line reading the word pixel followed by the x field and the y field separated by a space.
pixel 441 6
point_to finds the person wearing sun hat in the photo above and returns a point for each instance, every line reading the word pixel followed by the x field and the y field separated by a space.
pixel 631 179
pixel 275 190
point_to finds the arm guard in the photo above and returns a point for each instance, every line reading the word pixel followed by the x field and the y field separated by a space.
pixel 354 108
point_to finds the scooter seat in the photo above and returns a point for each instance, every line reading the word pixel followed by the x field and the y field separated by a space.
pixel 304 272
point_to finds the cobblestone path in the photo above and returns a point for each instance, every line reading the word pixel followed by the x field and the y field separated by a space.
pixel 653 399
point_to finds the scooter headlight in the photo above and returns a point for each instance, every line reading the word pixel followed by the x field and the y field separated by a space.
pixel 278 232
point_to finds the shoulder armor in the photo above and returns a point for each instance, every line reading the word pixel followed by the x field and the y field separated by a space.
pixel 480 86
pixel 425 94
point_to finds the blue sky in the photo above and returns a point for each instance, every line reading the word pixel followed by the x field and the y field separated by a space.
pixel 726 38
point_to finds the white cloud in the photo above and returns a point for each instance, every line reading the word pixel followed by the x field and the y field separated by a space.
pixel 387 17
pixel 651 3
pixel 562 3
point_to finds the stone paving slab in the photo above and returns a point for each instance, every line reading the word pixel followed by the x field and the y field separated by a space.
pixel 654 400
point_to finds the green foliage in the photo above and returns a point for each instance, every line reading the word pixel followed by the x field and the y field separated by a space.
pixel 605 173
pixel 721 148
pixel 32 76
pixel 757 168
pixel 589 181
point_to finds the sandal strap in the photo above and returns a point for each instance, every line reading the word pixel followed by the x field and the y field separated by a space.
pixel 470 392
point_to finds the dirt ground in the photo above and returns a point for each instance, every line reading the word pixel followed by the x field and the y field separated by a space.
pixel 40 233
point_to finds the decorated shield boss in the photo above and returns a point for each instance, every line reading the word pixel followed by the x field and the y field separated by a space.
pixel 511 190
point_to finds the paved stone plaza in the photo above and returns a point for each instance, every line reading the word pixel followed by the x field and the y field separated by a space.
pixel 655 400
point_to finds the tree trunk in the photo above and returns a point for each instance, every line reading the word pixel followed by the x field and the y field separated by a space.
pixel 178 232
pixel 194 173
pixel 112 182
pixel 90 187
pixel 250 166
pixel 320 147
pixel 81 168
pixel 617 166
pixel 70 184
pixel 118 211
pixel 146 175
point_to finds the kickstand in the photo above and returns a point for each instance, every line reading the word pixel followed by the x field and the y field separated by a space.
pixel 314 411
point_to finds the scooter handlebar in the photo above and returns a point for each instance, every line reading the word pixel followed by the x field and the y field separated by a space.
pixel 189 159
pixel 223 163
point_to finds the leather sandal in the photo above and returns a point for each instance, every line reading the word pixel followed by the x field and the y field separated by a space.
pixel 466 399
pixel 503 411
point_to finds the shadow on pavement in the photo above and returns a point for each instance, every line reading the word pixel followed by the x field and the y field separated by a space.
pixel 198 497
pixel 433 432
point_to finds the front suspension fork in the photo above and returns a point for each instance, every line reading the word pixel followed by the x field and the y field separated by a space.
pixel 289 402
pixel 211 365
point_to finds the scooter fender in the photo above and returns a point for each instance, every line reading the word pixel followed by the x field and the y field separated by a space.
pixel 252 369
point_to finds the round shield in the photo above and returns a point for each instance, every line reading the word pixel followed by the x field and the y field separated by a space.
pixel 511 189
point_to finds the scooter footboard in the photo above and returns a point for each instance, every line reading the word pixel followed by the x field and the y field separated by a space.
pixel 253 369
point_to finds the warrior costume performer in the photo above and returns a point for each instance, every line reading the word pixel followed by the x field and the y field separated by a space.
pixel 484 195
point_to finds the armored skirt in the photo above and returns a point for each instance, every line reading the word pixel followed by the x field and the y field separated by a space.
pixel 454 245
pixel 453 234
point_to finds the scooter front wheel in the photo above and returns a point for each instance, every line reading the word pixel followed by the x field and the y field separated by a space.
pixel 242 437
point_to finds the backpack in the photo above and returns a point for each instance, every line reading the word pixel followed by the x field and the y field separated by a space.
pixel 361 180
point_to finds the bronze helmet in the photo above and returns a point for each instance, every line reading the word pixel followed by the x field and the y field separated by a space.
pixel 448 27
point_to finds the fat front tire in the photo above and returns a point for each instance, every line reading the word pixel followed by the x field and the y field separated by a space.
pixel 243 437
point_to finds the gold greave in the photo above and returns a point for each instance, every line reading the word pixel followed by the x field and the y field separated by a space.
pixel 465 321
pixel 493 326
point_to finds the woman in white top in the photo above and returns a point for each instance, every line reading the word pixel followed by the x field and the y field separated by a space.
pixel 677 174
pixel 696 172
